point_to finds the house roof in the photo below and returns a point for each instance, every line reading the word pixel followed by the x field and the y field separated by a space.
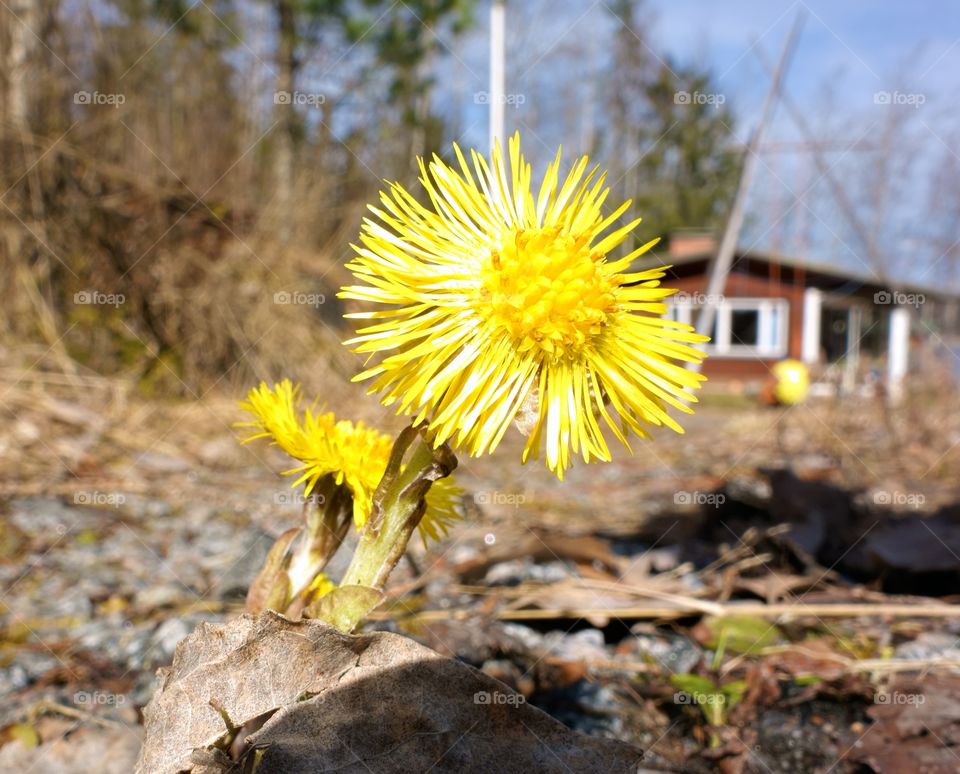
pixel 865 277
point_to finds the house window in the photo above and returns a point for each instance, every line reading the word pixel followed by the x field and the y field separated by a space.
pixel 744 327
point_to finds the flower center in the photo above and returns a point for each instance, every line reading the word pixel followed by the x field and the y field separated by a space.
pixel 547 290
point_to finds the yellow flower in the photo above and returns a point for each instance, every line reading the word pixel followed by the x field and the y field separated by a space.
pixel 493 301
pixel 354 454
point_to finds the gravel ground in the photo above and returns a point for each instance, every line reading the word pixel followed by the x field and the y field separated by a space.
pixel 103 574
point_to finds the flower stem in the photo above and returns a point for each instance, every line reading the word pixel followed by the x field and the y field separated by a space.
pixel 398 507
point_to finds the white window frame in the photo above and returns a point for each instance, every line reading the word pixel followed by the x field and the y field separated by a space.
pixel 773 326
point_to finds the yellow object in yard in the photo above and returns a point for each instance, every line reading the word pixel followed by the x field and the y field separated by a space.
pixel 793 382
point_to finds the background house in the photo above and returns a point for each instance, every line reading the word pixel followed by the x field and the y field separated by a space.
pixel 845 324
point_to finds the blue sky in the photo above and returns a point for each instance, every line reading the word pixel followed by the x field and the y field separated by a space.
pixel 853 49
pixel 849 52
pixel 865 45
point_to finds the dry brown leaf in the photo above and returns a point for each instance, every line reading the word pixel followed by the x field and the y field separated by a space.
pixel 350 703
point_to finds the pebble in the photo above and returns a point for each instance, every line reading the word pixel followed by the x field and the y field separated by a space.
pixel 930 646
pixel 673 652
pixel 163 595
pixel 13 679
pixel 29 667
pixel 166 638
pixel 71 602
pixel 232 583
pixel 752 490
pixel 584 645
pixel 146 508
pixel 529 638
pixel 102 636
pixel 518 571
pixel 587 707
pixel 160 463
pixel 48 515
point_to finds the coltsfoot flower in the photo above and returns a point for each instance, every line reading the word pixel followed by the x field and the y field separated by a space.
pixel 493 302
pixel 354 454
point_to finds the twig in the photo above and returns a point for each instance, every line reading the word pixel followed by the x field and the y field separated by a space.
pixel 902 665
pixel 690 607
pixel 52 707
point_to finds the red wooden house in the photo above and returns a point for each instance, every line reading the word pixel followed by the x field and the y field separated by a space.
pixel 775 306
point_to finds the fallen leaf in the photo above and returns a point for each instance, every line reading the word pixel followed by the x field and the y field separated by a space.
pixel 350 703
pixel 737 633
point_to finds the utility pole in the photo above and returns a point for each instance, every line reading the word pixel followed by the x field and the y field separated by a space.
pixel 496 95
pixel 720 267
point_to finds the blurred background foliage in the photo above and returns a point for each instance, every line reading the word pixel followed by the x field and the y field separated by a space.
pixel 200 191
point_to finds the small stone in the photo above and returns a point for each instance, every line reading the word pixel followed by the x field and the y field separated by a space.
pixel 39 515
pixel 26 431
pixel 751 490
pixel 234 583
pixel 518 571
pixel 587 707
pixel 166 638
pixel 930 646
pixel 164 595
pixel 585 645
pixel 529 638
pixel 146 508
pixel 66 603
pixel 673 652
pixel 13 679
pixel 160 463
pixel 220 452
